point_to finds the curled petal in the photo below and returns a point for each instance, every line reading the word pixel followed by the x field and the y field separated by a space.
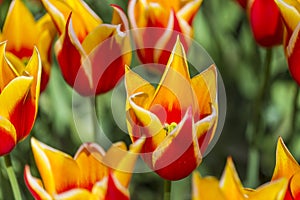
pixel 205 89
pixel 35 186
pixel 8 136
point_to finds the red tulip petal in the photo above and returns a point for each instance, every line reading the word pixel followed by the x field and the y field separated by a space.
pixel 8 136
pixel 266 22
pixel 115 190
pixel 178 154
pixel 293 52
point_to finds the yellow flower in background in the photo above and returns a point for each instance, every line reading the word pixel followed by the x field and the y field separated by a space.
pixel 230 188
pixel 157 23
pixel 178 117
pixel 287 167
pixel 20 89
pixel 23 33
pixel 91 174
pixel 91 54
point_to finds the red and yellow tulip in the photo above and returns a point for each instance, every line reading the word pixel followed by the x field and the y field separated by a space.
pixel 178 117
pixel 91 174
pixel 230 188
pixel 290 14
pixel 23 37
pixel 20 89
pixel 287 167
pixel 91 54
pixel 157 23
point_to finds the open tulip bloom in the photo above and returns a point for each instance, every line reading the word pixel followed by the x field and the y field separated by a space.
pixel 230 188
pixel 157 23
pixel 91 174
pixel 290 13
pixel 178 117
pixel 91 54
pixel 23 37
pixel 287 167
pixel 19 95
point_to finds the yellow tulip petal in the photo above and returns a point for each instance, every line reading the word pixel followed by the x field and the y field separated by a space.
pixel 14 94
pixel 271 191
pixel 205 88
pixel 76 194
pixel 89 159
pixel 135 84
pixel 206 188
pixel 290 12
pixel 51 164
pixel 295 185
pixel 189 10
pixel 8 136
pixel 230 182
pixel 34 68
pixel 7 72
pixel 97 36
pixel 100 188
pixel 19 34
pixel 168 5
pixel 35 186
pixel 126 164
pixel 175 86
pixel 286 166
pixel 85 19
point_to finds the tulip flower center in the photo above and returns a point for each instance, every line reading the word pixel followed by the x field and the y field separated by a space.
pixel 170 127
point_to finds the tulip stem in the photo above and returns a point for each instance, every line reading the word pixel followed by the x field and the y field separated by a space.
pixel 167 189
pixel 94 112
pixel 256 133
pixel 12 177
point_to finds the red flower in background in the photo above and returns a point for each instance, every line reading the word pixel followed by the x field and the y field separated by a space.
pixel 265 22
pixel 156 25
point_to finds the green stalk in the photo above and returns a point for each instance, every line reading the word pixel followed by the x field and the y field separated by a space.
pixel 167 189
pixel 12 177
pixel 93 102
pixel 256 133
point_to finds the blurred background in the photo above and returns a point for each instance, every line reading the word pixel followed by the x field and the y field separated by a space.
pixel 222 28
